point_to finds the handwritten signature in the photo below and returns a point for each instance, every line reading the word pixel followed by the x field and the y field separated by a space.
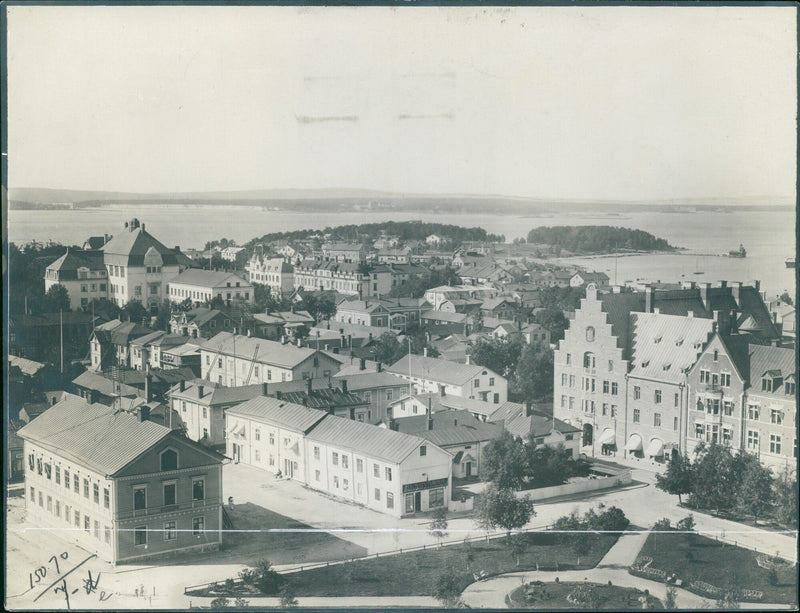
pixel 60 585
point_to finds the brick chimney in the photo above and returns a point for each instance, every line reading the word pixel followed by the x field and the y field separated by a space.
pixel 528 408
pixel 200 390
pixel 264 389
pixel 278 395
pixel 344 385
pixel 649 296
pixel 736 292
pixel 144 413
pixel 309 386
pixel 148 387
pixel 362 364
pixel 182 385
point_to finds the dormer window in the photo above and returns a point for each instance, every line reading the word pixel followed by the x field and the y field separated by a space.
pixel 657 339
pixel 679 342
pixel 646 363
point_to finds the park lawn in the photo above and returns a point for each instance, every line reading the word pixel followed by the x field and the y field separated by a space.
pixel 250 541
pixel 415 573
pixel 692 557
pixel 550 596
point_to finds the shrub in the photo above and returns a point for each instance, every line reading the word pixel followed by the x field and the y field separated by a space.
pixel 220 602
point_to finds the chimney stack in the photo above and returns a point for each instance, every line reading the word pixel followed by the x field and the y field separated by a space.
pixel 148 391
pixel 528 408
pixel 264 389
pixel 442 391
pixel 200 389
pixel 144 412
pixel 649 295
pixel 182 385
pixel 344 385
pixel 469 359
pixel 278 394
pixel 736 292
pixel 362 364
pixel 379 367
pixel 309 386
pixel 704 287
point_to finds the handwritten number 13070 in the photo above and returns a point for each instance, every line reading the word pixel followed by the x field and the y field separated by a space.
pixel 40 573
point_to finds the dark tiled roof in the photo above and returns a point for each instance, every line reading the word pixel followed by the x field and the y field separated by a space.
pixel 279 412
pixel 208 278
pixel 128 248
pixel 437 370
pixel 765 358
pixel 69 263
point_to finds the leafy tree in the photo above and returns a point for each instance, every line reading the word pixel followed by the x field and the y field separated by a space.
pixel 597 239
pixel 164 313
pixel 533 378
pixel 584 597
pixel 500 355
pixel 786 298
pixel 678 479
pixel 716 477
pixel 670 598
pixel 547 465
pixel 267 580
pixel 134 311
pixel 554 321
pixel 786 496
pixel 501 507
pixel 754 491
pixel 439 524
pixel 388 349
pixel 220 602
pixel 505 462
pixel 447 588
pixel 519 544
pixel 241 603
pixel 56 299
pixel 611 519
pixel 287 594
pixel 582 544
pixel 320 308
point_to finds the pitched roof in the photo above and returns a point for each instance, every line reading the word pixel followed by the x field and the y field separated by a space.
pixel 208 278
pixel 456 318
pixel 215 394
pixel 437 370
pixel 664 346
pixel 28 367
pixel 766 358
pixel 450 427
pixel 360 437
pixel 128 248
pixel 492 303
pixel 324 398
pixel 364 380
pixel 93 435
pixel 74 259
pixel 279 412
pixel 97 382
pixel 264 351
pixel 361 306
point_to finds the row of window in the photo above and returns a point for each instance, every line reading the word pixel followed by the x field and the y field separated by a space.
pixel 754 413
pixel 116 271
pixel 92 287
pixel 169 493
pixel 715 379
pixel 589 361
pixel 70 515
pixel 170 531
pixel 477 382
pixel 41 467
pixel 637 418
pixel 657 396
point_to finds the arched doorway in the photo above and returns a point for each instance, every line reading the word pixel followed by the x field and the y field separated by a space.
pixel 588 434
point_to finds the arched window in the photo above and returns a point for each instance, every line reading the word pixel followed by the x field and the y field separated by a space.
pixel 588 360
pixel 169 460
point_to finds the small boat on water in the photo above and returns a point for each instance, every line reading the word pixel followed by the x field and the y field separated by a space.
pixel 741 252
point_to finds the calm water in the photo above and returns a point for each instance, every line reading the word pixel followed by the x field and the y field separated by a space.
pixel 769 237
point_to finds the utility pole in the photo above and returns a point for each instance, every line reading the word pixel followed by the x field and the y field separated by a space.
pixel 61 329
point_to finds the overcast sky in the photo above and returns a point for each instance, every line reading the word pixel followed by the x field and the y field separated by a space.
pixel 574 102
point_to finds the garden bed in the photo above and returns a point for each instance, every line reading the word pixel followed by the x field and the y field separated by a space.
pixel 704 565
pixel 550 596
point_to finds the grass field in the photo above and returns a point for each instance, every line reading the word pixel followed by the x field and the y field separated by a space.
pixel 550 596
pixel 415 573
pixel 251 541
pixel 692 557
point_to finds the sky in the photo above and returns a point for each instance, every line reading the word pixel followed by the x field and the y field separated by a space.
pixel 611 103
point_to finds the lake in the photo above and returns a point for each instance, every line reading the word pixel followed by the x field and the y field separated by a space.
pixel 768 236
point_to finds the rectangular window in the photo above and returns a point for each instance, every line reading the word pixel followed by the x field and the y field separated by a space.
pixel 170 531
pixel 58 475
pixel 170 494
pixel 677 400
pixel 614 389
pixel 774 443
pixel 564 379
pixel 316 450
pixel 336 482
pixel 636 415
pixel 359 465
pixel 376 470
pixel 606 387
pixel 66 513
pixel 436 498
pixel 572 380
pixel 198 526
pixel 96 493
pixel 563 401
pixel 725 379
pixel 491 380
pixel 258 430
pixel 77 518
pixel 637 392
pixel 776 416
pixel 140 536
pixel 272 442
pixel 675 424
pixel 335 458
pixel 477 383
pixel 96 531
pixel 611 366
pixel 106 498
pixel 389 500
pixel 76 483
pixel 657 397
pixel 107 532
pixel 388 474
pixel 49 504
pixel 86 523
pixel 86 488
pixel 423 450
pixel 753 411
pixel 139 498
pixel 569 358
pixel 657 420
pixel 198 489
pixel 752 439
pixel 345 461
pixel 605 408
pixel 58 508
pixel 316 475
pixel 698 431
pixel 377 494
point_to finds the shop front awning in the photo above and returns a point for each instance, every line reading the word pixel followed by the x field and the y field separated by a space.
pixel 634 443
pixel 655 448
pixel 608 437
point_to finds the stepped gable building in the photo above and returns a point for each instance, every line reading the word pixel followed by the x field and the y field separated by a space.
pixel 620 342
pixel 452 379
pixel 744 395
pixel 140 267
pixel 201 286
pixel 127 488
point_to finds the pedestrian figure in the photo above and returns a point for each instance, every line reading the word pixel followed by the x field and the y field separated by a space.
pixel 136 592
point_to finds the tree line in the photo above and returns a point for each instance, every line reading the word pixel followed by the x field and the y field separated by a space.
pixel 597 239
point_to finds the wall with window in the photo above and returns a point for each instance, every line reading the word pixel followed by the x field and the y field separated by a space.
pixel 589 377
pixel 655 410
pixel 771 426
pixel 716 405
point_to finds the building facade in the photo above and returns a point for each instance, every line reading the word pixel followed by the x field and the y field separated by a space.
pixel 201 286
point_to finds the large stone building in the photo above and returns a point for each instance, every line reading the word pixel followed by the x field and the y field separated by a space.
pixel 82 273
pixel 348 278
pixel 625 357
pixel 276 273
pixel 125 487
